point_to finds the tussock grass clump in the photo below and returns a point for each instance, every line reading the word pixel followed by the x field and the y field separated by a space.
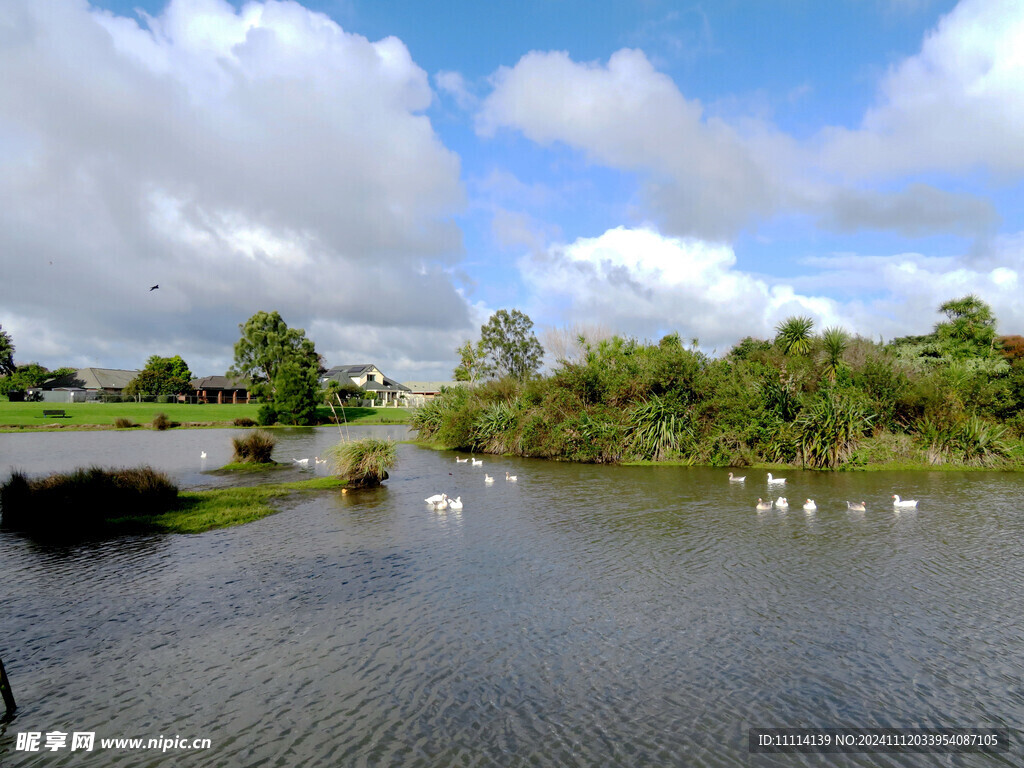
pixel 122 423
pixel 80 501
pixel 245 421
pixel 254 448
pixel 161 422
pixel 363 463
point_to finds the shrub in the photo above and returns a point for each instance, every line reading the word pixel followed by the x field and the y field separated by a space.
pixel 254 448
pixel 85 499
pixel 161 422
pixel 244 421
pixel 363 463
pixel 166 398
pixel 122 423
pixel 266 415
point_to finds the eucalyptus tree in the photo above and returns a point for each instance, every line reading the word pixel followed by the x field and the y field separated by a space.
pixel 510 345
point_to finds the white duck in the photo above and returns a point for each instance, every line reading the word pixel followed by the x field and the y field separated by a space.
pixel 460 461
pixel 510 478
pixel 437 498
pixel 302 462
pixel 782 503
pixel 737 479
pixel 855 506
pixel 776 480
pixel 477 462
pixel 763 505
pixel 456 504
pixel 810 506
pixel 202 454
pixel 903 503
pixel 442 505
pixel 318 460
pixel 488 479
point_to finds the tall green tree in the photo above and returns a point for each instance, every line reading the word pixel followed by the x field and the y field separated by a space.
pixel 510 344
pixel 161 376
pixel 266 344
pixel 295 393
pixel 834 342
pixel 6 353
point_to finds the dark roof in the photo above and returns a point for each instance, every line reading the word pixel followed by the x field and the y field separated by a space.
pixel 94 378
pixel 219 382
pixel 351 370
pixel 344 373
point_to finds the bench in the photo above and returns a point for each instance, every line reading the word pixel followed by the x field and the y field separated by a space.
pixel 54 413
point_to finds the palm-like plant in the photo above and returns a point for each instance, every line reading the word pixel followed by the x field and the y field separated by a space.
pixel 834 342
pixel 793 335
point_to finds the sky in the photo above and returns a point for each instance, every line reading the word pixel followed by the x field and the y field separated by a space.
pixel 388 173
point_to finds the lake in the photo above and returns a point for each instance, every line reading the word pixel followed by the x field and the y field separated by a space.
pixel 584 615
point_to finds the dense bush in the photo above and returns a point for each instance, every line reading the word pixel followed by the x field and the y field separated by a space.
pixel 363 463
pixel 244 421
pixel 161 422
pixel 81 501
pixel 254 448
pixel 266 416
pixel 827 400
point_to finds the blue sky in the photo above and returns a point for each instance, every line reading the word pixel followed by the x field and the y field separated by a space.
pixel 387 174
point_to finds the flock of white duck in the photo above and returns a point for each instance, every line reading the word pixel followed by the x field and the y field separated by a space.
pixel 441 501
pixel 809 506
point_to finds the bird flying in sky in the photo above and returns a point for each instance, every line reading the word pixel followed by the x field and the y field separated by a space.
pixel 154 287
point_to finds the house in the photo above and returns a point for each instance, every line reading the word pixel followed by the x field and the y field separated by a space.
pixel 422 392
pixel 369 377
pixel 220 389
pixel 93 382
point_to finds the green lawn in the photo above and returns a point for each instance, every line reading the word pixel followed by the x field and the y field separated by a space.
pixel 21 415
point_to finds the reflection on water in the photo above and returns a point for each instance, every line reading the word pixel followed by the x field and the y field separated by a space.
pixel 582 616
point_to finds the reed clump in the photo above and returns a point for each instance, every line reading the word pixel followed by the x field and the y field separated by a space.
pixel 161 421
pixel 363 463
pixel 254 448
pixel 83 500
pixel 122 423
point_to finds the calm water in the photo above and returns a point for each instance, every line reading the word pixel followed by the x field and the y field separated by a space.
pixel 591 616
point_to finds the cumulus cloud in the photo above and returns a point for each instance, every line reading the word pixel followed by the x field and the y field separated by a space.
pixel 701 173
pixel 259 158
pixel 955 106
pixel 643 283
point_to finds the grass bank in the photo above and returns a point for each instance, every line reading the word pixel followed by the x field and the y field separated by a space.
pixel 199 511
pixel 94 501
pixel 19 416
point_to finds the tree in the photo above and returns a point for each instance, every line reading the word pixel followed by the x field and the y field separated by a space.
pixel 161 376
pixel 6 353
pixel 510 344
pixel 834 342
pixel 30 375
pixel 970 329
pixel 794 335
pixel 266 344
pixel 295 393
pixel 334 390
pixel 473 363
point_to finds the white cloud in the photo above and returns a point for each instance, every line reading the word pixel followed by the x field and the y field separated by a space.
pixel 956 105
pixel 259 158
pixel 702 176
pixel 642 283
